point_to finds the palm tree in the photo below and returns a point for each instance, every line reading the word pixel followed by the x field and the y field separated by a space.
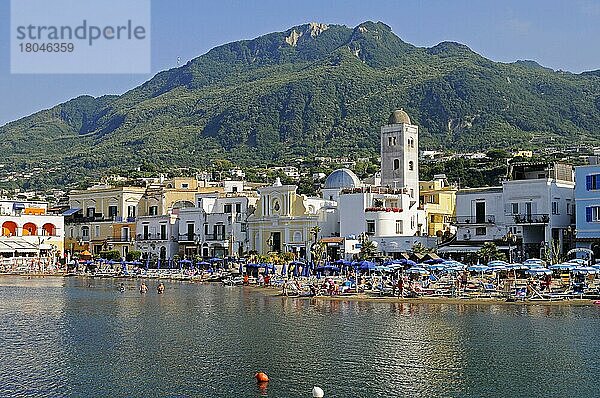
pixel 367 250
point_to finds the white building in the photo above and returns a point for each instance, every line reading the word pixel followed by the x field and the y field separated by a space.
pixel 217 227
pixel 400 154
pixel 28 230
pixel 532 211
pixel 156 236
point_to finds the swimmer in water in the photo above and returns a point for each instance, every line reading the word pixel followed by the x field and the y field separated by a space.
pixel 160 289
pixel 122 287
pixel 143 288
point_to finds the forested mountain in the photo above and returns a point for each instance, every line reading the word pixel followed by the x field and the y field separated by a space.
pixel 313 89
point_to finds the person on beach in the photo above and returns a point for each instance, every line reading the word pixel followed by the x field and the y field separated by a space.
pixel 267 280
pixel 400 287
pixel 143 288
pixel 246 280
pixel 160 289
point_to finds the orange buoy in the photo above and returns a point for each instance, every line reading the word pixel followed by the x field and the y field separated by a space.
pixel 261 377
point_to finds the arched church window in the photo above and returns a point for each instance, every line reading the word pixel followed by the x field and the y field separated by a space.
pixel 396 164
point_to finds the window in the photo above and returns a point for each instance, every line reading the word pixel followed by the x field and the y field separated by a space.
pixel 153 210
pixel 389 141
pixel 71 232
pixel 163 231
pixel 219 231
pixel 206 229
pixel 238 207
pixel 411 142
pixel 234 189
pixel 592 214
pixel 412 222
pixel 276 206
pixel 370 227
pixel 85 232
pixel 480 231
pixel 569 207
pixel 90 211
pixel 112 211
pixel 396 164
pixel 131 211
pixel 411 165
pixel 399 227
pixel 592 182
pixel 432 218
pixel 146 231
pixel 227 208
pixel 97 231
pixel 185 185
pixel 190 231
pixel 243 227
pixel 555 207
pixel 393 140
pixel 514 208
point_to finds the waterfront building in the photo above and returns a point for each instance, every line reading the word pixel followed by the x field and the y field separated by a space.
pixel 283 220
pixel 587 202
pixel 29 229
pixel 529 215
pixel 156 236
pixel 102 218
pixel 438 199
pixel 217 226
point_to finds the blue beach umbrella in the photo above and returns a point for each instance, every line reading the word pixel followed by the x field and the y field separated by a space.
pixel 538 271
pixel 417 270
pixel 562 267
pixel 478 268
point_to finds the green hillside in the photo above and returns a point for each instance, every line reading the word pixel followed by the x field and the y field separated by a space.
pixel 311 90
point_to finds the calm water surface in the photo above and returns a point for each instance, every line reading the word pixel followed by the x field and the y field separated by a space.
pixel 84 338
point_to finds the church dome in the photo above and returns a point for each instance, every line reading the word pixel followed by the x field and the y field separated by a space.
pixel 342 178
pixel 398 117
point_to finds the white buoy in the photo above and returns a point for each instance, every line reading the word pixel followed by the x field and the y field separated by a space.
pixel 318 392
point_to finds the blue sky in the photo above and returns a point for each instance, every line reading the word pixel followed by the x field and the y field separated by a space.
pixel 561 34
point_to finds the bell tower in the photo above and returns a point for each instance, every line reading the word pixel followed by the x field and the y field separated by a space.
pixel 400 154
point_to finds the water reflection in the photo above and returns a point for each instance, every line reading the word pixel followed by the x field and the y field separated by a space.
pixel 78 337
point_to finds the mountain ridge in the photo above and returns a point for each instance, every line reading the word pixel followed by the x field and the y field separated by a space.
pixel 312 89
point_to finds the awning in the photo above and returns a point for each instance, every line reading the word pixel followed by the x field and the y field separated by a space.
pixel 17 245
pixel 70 212
pixel 458 249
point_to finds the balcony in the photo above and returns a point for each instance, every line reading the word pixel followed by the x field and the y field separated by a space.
pixel 149 236
pixel 531 218
pixel 123 238
pixel 474 220
pixel 187 237
pixel 210 237
pixel 384 209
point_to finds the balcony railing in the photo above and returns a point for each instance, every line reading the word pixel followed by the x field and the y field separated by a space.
pixel 150 236
pixel 187 237
pixel 531 218
pixel 488 219
pixel 122 238
pixel 384 209
pixel 214 237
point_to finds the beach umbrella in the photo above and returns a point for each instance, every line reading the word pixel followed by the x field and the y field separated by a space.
pixel 585 270
pixel 517 267
pixel 538 271
pixel 562 267
pixel 494 263
pixel 433 261
pixel 417 270
pixel 478 268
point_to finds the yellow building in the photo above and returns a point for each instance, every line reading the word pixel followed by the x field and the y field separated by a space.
pixel 283 220
pixel 103 217
pixel 438 199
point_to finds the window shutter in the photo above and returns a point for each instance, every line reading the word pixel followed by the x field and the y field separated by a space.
pixel 588 183
pixel 588 214
pixel 597 182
